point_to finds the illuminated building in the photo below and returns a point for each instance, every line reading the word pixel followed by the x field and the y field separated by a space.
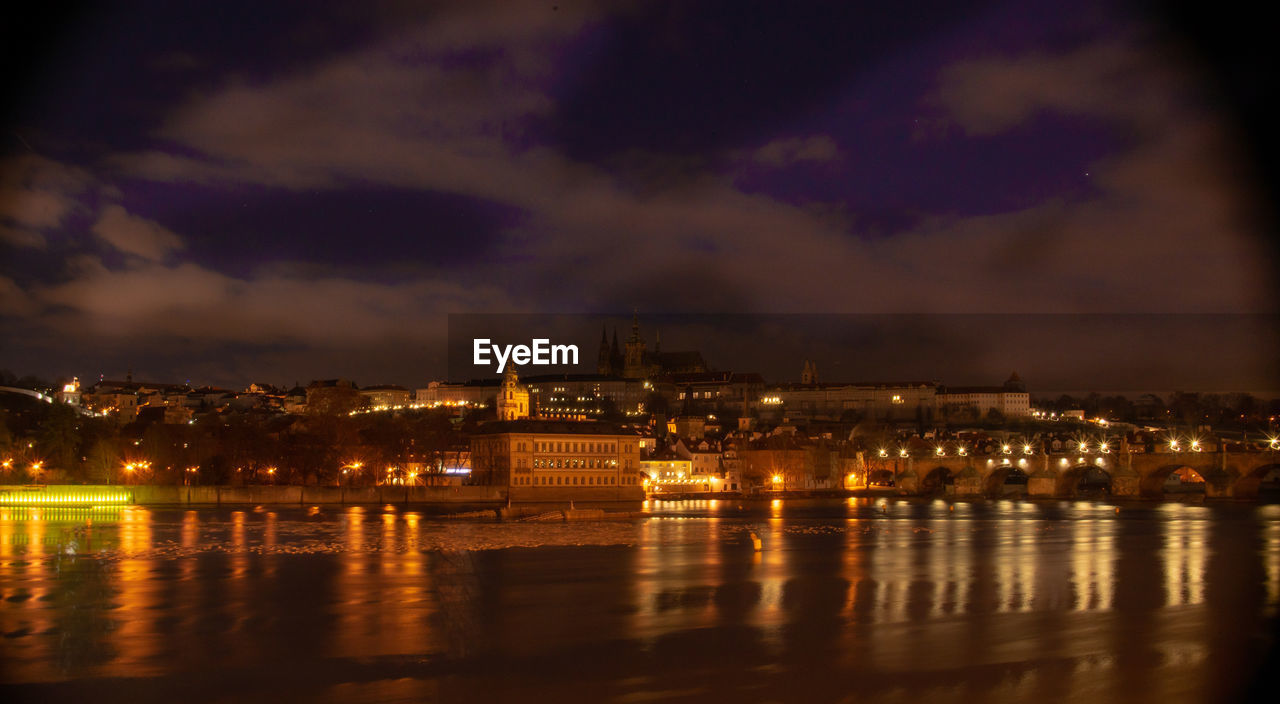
pixel 1010 399
pixel 832 400
pixel 385 396
pixel 513 398
pixel 669 472
pixel 560 454
pixel 474 393
pixel 70 393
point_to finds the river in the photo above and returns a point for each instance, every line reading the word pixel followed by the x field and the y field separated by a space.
pixel 868 600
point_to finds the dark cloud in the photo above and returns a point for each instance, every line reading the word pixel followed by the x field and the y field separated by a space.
pixel 333 198
pixel 704 77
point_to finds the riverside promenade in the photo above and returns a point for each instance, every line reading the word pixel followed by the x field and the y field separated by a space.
pixel 154 495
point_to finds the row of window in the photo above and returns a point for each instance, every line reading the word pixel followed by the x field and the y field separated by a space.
pixel 560 446
pixel 576 463
pixel 572 480
pixel 570 463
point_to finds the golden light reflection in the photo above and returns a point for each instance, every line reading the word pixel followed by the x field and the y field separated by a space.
pixel 1271 563
pixel 1015 568
pixel 1185 556
pixel 138 639
pixel 1093 560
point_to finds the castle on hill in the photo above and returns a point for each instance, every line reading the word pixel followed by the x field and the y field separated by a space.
pixel 635 361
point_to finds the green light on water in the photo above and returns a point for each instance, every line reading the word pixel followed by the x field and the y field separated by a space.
pixel 59 496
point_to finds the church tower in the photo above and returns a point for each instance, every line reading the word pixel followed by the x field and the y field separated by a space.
pixel 634 366
pixel 604 360
pixel 810 373
pixel 513 397
pixel 615 355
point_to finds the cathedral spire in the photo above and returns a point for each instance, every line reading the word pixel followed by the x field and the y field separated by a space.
pixel 604 358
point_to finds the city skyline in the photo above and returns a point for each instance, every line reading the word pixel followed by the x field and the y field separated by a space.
pixel 639 350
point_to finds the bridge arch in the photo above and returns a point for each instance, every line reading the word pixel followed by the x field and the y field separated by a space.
pixel 881 477
pixel 1152 485
pixel 1084 480
pixel 997 482
pixel 935 480
pixel 1250 481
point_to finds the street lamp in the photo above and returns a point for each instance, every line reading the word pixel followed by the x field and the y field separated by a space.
pixel 349 468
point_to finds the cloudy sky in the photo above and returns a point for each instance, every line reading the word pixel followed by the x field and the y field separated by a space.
pixel 228 191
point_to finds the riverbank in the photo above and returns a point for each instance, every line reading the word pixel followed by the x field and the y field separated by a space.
pixel 149 495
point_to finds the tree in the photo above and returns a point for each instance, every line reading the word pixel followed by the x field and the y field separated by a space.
pixel 59 438
pixel 102 460
pixel 6 437
pixel 333 400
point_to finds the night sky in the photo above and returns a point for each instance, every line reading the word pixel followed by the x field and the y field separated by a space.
pixel 229 192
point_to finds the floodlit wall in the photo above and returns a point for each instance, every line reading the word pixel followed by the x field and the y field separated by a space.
pixel 270 495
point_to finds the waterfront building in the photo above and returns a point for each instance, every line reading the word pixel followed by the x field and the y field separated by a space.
pixel 560 454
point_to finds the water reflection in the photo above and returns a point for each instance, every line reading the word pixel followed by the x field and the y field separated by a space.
pixel 890 599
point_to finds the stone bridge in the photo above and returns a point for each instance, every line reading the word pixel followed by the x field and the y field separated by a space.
pixel 1234 474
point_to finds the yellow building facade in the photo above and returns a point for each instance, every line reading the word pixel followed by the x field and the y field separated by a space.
pixel 561 454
